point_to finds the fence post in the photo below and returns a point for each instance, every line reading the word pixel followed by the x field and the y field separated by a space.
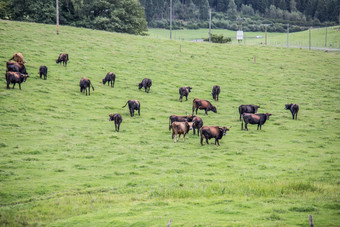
pixel 310 38
pixel 310 221
pixel 287 35
pixel 326 39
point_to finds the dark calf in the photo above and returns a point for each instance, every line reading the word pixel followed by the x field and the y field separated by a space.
pixel 184 91
pixel 84 84
pixel 294 109
pixel 110 77
pixel 203 105
pixel 62 58
pixel 146 84
pixel 197 123
pixel 16 67
pixel 215 92
pixel 43 71
pixel 216 132
pixel 117 118
pixel 255 119
pixel 178 118
pixel 15 77
pixel 247 109
pixel 133 105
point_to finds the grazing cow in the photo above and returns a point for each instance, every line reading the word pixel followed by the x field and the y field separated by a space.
pixel 255 119
pixel 215 92
pixel 146 84
pixel 184 91
pixel 62 58
pixel 18 57
pixel 294 109
pixel 178 118
pixel 15 77
pixel 16 67
pixel 43 71
pixel 247 109
pixel 216 132
pixel 133 105
pixel 179 128
pixel 203 105
pixel 110 77
pixel 197 123
pixel 117 118
pixel 84 84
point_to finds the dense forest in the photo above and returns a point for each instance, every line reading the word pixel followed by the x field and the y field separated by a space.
pixel 230 14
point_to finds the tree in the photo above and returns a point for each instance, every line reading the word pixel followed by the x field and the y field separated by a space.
pixel 232 10
pixel 292 6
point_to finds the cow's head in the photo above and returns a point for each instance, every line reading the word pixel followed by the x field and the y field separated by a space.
pixel 267 115
pixel 189 89
pixel 140 85
pixel 224 130
pixel 256 107
pixel 103 81
pixel 57 61
pixel 190 117
pixel 287 106
pixel 213 109
pixel 189 125
pixel 111 117
pixel 24 76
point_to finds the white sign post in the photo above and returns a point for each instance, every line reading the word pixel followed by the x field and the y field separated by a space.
pixel 239 36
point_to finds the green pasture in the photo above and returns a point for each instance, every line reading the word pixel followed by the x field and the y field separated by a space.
pixel 295 39
pixel 62 164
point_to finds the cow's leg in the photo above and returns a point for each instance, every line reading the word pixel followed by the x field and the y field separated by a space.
pixel 13 85
pixel 45 76
pixel 183 138
pixel 40 75
pixel 139 111
pixel 8 84
pixel 196 110
pixel 258 125
pixel 174 137
pixel 173 133
pixel 89 90
pixel 19 86
pixel 296 115
pixel 131 112
pixel 198 131
pixel 193 129
pixel 206 139
pixel 118 126
pixel 246 126
pixel 201 139
pixel 206 112
pixel 186 98
pixel 292 115
pixel 180 98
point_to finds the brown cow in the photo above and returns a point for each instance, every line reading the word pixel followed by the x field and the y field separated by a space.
pixel 197 123
pixel 216 132
pixel 84 84
pixel 18 57
pixel 62 58
pixel 117 118
pixel 255 119
pixel 215 92
pixel 294 109
pixel 133 105
pixel 178 118
pixel 15 77
pixel 179 128
pixel 184 91
pixel 203 105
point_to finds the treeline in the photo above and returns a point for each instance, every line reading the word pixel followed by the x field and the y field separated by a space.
pixel 112 15
pixel 254 13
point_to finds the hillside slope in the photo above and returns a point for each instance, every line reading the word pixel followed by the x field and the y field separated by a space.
pixel 62 164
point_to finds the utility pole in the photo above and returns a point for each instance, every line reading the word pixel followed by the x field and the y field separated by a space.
pixel 209 25
pixel 170 19
pixel 265 30
pixel 287 35
pixel 310 37
pixel 57 8
pixel 326 39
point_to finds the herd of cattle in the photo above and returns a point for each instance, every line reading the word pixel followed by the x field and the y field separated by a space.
pixel 180 125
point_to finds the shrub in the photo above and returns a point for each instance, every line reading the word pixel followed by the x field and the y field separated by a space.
pixel 218 39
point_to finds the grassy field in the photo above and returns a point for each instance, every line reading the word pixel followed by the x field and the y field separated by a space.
pixel 296 39
pixel 62 164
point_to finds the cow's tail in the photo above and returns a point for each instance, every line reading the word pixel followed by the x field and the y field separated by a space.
pixel 169 124
pixel 67 57
pixel 92 86
pixel 11 58
pixel 125 104
pixel 193 106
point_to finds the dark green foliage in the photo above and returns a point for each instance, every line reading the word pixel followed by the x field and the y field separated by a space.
pixel 218 39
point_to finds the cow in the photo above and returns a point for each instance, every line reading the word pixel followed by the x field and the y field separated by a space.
pixel 117 118
pixel 203 105
pixel 146 84
pixel 110 77
pixel 215 92
pixel 255 119
pixel 294 109
pixel 133 105
pixel 197 123
pixel 84 84
pixel 216 132
pixel 179 128
pixel 247 109
pixel 16 67
pixel 178 118
pixel 18 57
pixel 15 77
pixel 62 58
pixel 43 71
pixel 184 91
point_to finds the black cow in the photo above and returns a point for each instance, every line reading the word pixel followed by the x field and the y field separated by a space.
pixel 62 58
pixel 216 132
pixel 84 84
pixel 178 118
pixel 184 91
pixel 133 105
pixel 215 92
pixel 16 67
pixel 146 84
pixel 43 71
pixel 247 109
pixel 203 105
pixel 110 77
pixel 117 118
pixel 294 109
pixel 15 77
pixel 255 119
pixel 197 123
